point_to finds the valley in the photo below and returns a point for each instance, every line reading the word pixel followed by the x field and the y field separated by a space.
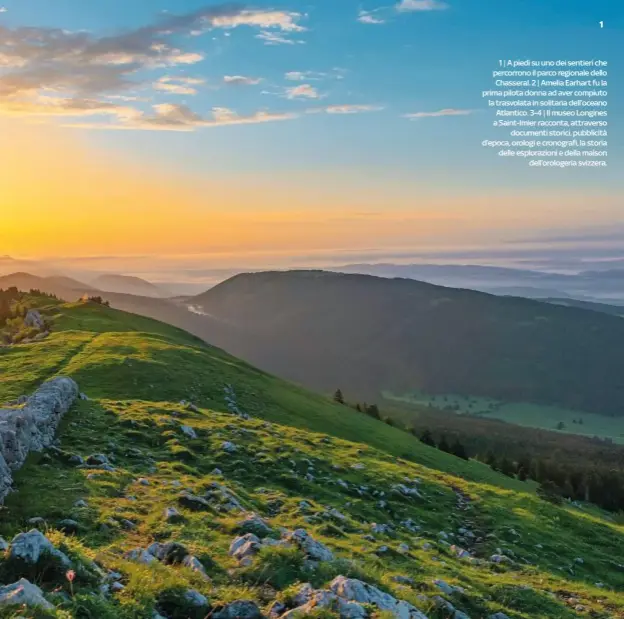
pixel 178 450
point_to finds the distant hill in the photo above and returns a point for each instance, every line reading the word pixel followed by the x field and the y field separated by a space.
pixel 63 287
pixel 614 310
pixel 588 285
pixel 127 284
pixel 367 334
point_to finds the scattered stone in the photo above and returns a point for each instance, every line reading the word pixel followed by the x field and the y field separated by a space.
pixel 229 447
pixel 69 526
pixel 314 550
pixel 98 460
pixel 194 564
pixel 195 598
pixel 277 610
pixel 34 320
pixel 188 431
pixel 81 504
pixel 240 609
pixel 500 558
pixel 244 547
pixel 191 501
pixel 353 590
pixel 32 546
pixel 173 515
pixel 254 524
pixel 23 593
pixel 140 555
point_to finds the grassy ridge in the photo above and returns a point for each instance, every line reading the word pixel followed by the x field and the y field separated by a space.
pixel 135 372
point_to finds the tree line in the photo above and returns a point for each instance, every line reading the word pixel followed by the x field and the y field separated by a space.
pixel 566 466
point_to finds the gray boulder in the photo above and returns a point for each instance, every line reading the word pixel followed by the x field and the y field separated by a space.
pixel 253 523
pixel 353 590
pixel 34 320
pixel 244 547
pixel 140 555
pixel 240 609
pixel 31 547
pixel 188 431
pixel 32 428
pixel 194 564
pixel 314 550
pixel 23 593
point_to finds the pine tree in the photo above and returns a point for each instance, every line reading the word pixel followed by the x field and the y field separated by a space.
pixel 427 438
pixel 338 397
pixel 373 411
pixel 459 450
pixel 443 445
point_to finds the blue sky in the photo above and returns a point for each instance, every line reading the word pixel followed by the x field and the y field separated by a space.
pixel 288 70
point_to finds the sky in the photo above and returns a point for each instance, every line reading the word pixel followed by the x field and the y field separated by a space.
pixel 266 134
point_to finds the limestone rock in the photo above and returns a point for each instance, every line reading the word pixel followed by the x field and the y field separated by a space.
pixel 32 427
pixel 194 564
pixel 314 549
pixel 354 590
pixel 34 320
pixel 32 546
pixel 254 524
pixel 23 593
pixel 244 547
pixel 188 431
pixel 239 609
pixel 140 555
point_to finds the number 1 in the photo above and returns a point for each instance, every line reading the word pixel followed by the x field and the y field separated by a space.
pixel 601 24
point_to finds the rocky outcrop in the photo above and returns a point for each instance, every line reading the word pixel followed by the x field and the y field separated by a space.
pixel 32 427
pixel 23 594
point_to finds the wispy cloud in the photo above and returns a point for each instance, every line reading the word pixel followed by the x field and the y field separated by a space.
pixel 303 91
pixel 406 6
pixel 241 80
pixel 445 112
pixel 346 109
pixel 175 117
pixel 304 76
pixel 178 85
pixel 370 17
pixel 81 69
pixel 383 14
pixel 275 38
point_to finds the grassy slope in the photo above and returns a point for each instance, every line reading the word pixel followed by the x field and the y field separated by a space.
pixel 519 413
pixel 135 370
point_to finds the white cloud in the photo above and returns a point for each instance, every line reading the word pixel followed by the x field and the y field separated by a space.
pixel 383 14
pixel 178 85
pixel 303 91
pixel 421 5
pixel 174 117
pixel 273 38
pixel 300 76
pixel 282 20
pixel 241 80
pixel 368 17
pixel 445 112
pixel 85 68
pixel 346 109
pixel 3 9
